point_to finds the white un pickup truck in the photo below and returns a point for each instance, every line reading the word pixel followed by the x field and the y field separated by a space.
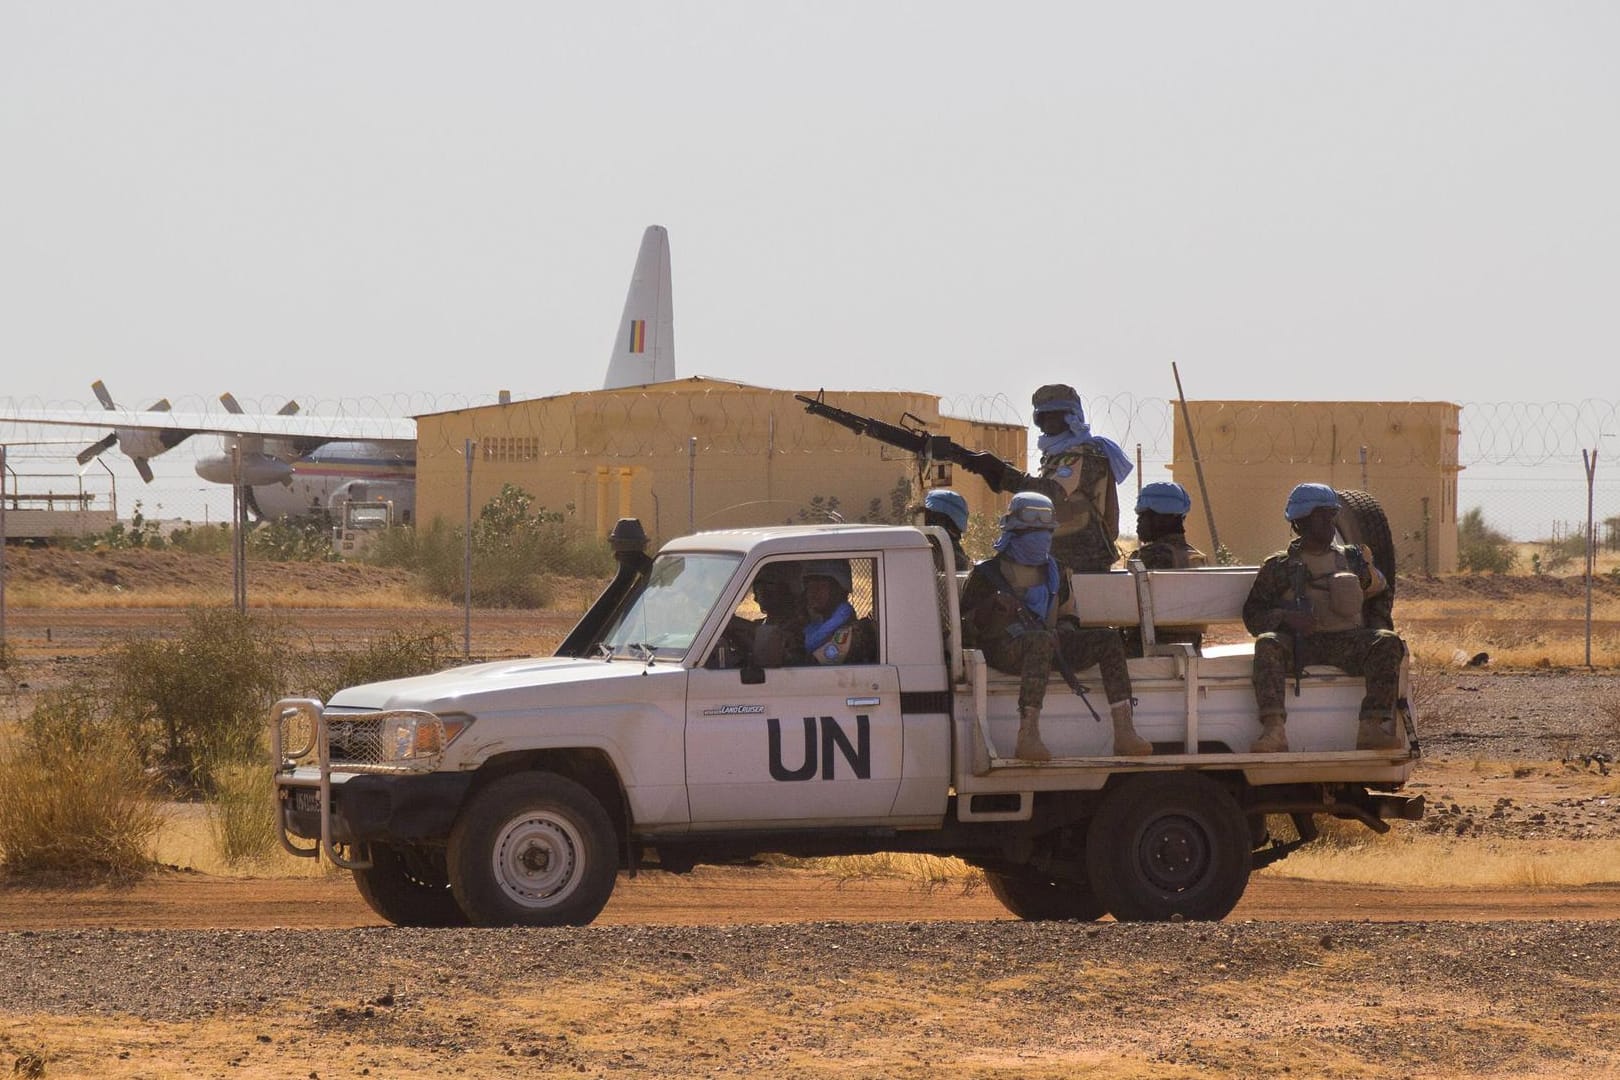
pixel 514 792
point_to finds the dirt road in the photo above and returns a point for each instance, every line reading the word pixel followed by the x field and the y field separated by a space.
pixel 716 896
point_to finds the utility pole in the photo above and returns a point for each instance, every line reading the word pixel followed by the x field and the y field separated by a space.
pixel 1590 463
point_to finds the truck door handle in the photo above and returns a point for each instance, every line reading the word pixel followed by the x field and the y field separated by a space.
pixel 857 702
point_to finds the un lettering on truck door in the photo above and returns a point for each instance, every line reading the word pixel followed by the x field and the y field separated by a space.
pixel 815 740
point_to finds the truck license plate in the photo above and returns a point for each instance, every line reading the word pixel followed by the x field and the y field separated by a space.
pixel 307 800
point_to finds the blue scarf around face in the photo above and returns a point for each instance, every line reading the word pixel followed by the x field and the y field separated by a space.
pixel 1079 434
pixel 1030 546
pixel 817 634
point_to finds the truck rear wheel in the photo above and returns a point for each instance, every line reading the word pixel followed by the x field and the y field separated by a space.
pixel 1035 898
pixel 535 849
pixel 406 889
pixel 1168 844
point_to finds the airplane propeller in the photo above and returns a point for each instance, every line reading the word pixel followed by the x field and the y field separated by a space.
pixel 167 440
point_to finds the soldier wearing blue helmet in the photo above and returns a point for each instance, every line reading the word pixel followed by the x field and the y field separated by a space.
pixel 1019 608
pixel 1161 528
pixel 948 510
pixel 1305 607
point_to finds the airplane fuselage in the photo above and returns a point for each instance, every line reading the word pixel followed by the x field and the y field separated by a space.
pixel 288 484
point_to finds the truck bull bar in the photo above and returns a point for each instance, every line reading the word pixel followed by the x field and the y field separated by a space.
pixel 397 742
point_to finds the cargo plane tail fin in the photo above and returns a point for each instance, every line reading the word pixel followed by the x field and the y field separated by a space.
pixel 644 350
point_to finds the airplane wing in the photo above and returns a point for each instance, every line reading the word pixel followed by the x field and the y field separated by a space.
pixel 301 426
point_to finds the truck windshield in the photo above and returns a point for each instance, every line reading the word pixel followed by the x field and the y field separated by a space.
pixel 662 622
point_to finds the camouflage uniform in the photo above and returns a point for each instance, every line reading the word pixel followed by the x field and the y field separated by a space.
pixel 1081 487
pixel 991 622
pixel 1282 583
pixel 1170 552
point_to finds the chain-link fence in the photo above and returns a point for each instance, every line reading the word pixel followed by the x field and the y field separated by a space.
pixel 1520 462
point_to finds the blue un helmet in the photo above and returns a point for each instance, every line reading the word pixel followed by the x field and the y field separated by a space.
pixel 951 504
pixel 1027 512
pixel 835 570
pixel 1308 497
pixel 1164 497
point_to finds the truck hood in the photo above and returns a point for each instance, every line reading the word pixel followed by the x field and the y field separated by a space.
pixel 506 685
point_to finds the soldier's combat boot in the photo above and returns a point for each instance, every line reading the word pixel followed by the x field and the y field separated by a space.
pixel 1273 739
pixel 1030 747
pixel 1127 743
pixel 1373 734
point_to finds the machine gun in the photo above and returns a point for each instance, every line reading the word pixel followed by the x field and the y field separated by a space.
pixel 999 474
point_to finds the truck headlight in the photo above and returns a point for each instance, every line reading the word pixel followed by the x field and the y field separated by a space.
pixel 409 736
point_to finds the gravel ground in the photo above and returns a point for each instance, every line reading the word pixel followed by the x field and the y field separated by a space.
pixel 1532 716
pixel 1248 999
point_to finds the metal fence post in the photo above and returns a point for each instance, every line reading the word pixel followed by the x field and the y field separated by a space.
pixel 238 533
pixel 1590 463
pixel 2 551
pixel 466 561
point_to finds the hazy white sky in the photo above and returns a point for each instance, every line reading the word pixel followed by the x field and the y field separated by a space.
pixel 1291 200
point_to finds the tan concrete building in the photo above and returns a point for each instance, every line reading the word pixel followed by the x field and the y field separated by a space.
pixel 693 454
pixel 1254 452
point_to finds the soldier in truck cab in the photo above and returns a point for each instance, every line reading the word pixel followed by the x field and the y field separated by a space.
pixel 833 633
pixel 1305 607
pixel 1161 528
pixel 1018 607
pixel 776 639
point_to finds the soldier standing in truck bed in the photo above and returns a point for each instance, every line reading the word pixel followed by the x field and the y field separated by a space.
pixel 1080 473
pixel 1161 528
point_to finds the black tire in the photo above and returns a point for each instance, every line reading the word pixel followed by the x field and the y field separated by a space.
pixel 1362 521
pixel 534 849
pixel 1034 898
pixel 1168 844
pixel 407 889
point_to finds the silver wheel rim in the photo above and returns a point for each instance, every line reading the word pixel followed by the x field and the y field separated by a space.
pixel 538 859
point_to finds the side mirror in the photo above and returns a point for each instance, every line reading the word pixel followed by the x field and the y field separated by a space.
pixel 752 674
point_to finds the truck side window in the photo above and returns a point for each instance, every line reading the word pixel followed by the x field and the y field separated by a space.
pixel 839 599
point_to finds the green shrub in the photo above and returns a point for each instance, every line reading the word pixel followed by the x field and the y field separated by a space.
pixel 202 539
pixel 396 655
pixel 202 697
pixel 139 533
pixel 76 803
pixel 242 812
pixel 1482 549
pixel 305 539
pixel 517 549
pixel 1560 553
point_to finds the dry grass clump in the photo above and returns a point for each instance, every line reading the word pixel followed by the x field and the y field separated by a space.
pixel 397 654
pixel 926 871
pixel 242 813
pixel 77 804
pixel 1406 857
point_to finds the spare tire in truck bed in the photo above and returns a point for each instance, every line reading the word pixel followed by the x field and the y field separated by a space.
pixel 1362 521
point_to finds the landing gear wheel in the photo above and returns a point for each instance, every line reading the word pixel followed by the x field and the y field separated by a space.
pixel 1168 844
pixel 1034 898
pixel 405 887
pixel 534 849
pixel 1362 521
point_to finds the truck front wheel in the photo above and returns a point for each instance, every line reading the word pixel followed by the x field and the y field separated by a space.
pixel 1034 898
pixel 535 849
pixel 1164 845
pixel 404 887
